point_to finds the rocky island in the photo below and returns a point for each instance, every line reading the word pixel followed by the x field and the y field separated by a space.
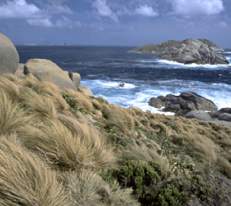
pixel 62 146
pixel 199 51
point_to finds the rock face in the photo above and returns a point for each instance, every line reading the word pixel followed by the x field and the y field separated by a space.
pixel 9 58
pixel 46 70
pixel 199 51
pixel 183 104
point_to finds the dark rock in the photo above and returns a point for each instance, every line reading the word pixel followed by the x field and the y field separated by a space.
pixel 184 103
pixel 199 51
pixel 222 115
pixel 122 84
pixel 156 102
pixel 9 58
pixel 225 110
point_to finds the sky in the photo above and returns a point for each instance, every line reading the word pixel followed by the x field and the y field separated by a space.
pixel 115 22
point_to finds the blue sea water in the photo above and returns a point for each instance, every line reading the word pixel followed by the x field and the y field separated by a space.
pixel 104 68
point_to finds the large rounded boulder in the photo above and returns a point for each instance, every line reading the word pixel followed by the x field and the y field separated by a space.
pixel 9 58
pixel 46 70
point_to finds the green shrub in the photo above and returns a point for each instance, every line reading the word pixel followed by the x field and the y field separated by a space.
pixel 138 175
pixel 148 185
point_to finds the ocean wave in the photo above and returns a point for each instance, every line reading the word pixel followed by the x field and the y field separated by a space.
pixel 193 65
pixel 139 97
pixel 113 84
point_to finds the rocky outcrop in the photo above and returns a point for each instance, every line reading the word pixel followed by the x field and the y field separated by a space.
pixel 9 58
pixel 199 51
pixel 183 104
pixel 46 70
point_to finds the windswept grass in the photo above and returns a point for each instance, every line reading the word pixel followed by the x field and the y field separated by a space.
pixel 67 151
pixel 12 117
pixel 89 189
pixel 65 141
pixel 26 180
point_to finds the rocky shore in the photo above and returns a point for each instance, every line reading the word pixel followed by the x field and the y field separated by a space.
pixel 198 51
pixel 61 146
pixel 191 105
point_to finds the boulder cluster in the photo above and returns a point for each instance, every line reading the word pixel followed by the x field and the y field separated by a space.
pixel 191 105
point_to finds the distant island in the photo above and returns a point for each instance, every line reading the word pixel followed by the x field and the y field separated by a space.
pixel 198 51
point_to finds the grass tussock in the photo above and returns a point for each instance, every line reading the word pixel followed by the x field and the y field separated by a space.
pixel 69 150
pixel 118 117
pixel 89 189
pixel 12 117
pixel 10 87
pixel 26 180
pixel 42 106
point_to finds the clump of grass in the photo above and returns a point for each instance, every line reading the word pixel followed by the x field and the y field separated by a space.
pixel 46 89
pixel 12 117
pixel 78 101
pixel 25 180
pixel 119 118
pixel 10 87
pixel 41 106
pixel 89 189
pixel 69 150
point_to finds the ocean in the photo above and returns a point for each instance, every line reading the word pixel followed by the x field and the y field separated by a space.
pixel 103 69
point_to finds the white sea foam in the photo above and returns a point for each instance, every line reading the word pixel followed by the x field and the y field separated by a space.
pixel 114 84
pixel 219 93
pixel 174 63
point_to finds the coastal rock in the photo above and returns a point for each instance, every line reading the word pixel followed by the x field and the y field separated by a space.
pixel 9 58
pixel 157 102
pixel 222 115
pixel 46 70
pixel 200 115
pixel 184 103
pixel 199 51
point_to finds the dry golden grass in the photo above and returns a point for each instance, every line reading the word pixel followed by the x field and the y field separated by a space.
pixel 46 89
pixel 25 180
pixel 11 88
pixel 41 106
pixel 69 150
pixel 82 100
pixel 118 117
pixel 12 117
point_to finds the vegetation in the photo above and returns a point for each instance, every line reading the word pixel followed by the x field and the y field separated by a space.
pixel 68 148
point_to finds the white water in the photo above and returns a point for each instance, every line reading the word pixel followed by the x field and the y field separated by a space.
pixel 137 94
pixel 207 66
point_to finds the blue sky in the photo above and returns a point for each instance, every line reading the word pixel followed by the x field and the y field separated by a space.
pixel 115 22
